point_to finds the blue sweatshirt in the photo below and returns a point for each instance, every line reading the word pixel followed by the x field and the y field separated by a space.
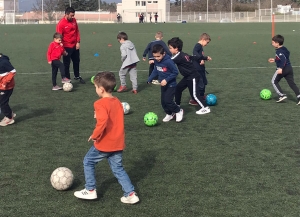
pixel 282 58
pixel 165 69
pixel 150 46
pixel 198 52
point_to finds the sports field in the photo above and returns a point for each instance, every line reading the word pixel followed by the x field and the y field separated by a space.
pixel 240 160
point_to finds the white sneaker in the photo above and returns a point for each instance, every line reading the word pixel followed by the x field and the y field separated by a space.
pixel 179 115
pixel 203 111
pixel 6 121
pixel 155 82
pixel 131 199
pixel 168 118
pixel 86 194
pixel 281 98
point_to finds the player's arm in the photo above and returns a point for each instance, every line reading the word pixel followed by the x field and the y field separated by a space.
pixel 166 49
pixel 49 51
pixel 77 32
pixel 280 62
pixel 174 71
pixel 101 117
pixel 123 53
pixel 60 28
pixel 146 51
pixel 197 51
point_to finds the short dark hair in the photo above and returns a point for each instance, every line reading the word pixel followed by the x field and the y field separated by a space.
pixel 122 35
pixel 106 79
pixel 158 49
pixel 69 10
pixel 176 43
pixel 57 35
pixel 278 39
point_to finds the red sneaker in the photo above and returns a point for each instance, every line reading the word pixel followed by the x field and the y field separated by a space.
pixel 193 102
pixel 121 89
pixel 134 91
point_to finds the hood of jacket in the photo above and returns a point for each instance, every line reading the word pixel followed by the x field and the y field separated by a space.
pixel 128 45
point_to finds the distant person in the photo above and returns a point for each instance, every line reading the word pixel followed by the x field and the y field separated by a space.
pixel 158 40
pixel 7 84
pixel 284 69
pixel 109 141
pixel 129 60
pixel 155 17
pixel 167 73
pixel 150 18
pixel 119 17
pixel 141 18
pixel 68 27
pixel 54 53
pixel 198 52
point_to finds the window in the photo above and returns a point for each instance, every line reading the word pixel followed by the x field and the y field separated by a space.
pixel 149 2
pixel 137 3
pixel 155 2
pixel 143 3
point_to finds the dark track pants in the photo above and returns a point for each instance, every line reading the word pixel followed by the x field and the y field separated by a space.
pixel 288 74
pixel 73 55
pixel 167 100
pixel 193 87
pixel 151 67
pixel 4 100
pixel 56 64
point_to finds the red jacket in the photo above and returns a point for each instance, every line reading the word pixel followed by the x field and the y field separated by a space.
pixel 69 31
pixel 7 73
pixel 55 50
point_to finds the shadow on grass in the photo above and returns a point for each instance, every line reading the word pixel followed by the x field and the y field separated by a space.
pixel 35 113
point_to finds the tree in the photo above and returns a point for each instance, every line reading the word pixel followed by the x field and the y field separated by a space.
pixel 49 7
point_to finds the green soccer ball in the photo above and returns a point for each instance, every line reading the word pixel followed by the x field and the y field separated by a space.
pixel 265 94
pixel 115 89
pixel 92 79
pixel 150 119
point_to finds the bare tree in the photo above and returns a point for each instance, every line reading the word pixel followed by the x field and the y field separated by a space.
pixel 48 6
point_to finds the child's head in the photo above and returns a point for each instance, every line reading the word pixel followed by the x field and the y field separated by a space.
pixel 277 41
pixel 175 45
pixel 158 52
pixel 105 83
pixel 122 36
pixel 204 39
pixel 57 37
pixel 159 35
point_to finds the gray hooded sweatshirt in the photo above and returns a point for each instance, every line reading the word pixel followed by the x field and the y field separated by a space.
pixel 128 54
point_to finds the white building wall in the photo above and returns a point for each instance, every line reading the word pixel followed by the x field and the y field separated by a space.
pixel 131 9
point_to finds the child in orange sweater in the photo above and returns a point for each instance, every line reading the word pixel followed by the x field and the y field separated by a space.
pixel 7 84
pixel 109 141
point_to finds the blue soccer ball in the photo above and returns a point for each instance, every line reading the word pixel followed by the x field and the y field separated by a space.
pixel 211 99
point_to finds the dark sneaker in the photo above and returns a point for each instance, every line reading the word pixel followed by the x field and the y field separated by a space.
pixel 80 80
pixel 281 98
pixel 298 102
pixel 193 102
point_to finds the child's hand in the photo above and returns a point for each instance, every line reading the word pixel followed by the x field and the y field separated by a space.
pixel 202 62
pixel 144 58
pixel 209 58
pixel 50 62
pixel 65 53
pixel 91 139
pixel 279 71
pixel 163 82
pixel 151 61
pixel 271 60
pixel 3 85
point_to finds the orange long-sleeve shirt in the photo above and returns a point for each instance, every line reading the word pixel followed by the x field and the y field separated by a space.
pixel 109 130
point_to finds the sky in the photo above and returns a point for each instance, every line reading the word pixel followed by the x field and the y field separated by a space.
pixel 26 5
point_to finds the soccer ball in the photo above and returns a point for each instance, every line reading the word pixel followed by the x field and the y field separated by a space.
pixel 150 119
pixel 92 79
pixel 265 94
pixel 126 107
pixel 68 87
pixel 211 99
pixel 115 89
pixel 62 178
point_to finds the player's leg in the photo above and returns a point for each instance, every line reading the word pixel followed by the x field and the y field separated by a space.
pixel 67 61
pixel 61 67
pixel 289 77
pixel 122 75
pixel 76 61
pixel 116 165
pixel 195 92
pixel 180 87
pixel 133 79
pixel 92 157
pixel 275 82
pixel 54 76
pixel 5 108
pixel 171 105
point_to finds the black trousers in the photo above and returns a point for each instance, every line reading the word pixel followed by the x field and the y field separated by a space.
pixel 56 64
pixel 151 68
pixel 73 55
pixel 167 100
pixel 4 100
pixel 193 86
pixel 202 82
pixel 288 74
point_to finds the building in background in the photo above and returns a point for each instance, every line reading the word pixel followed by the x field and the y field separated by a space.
pixel 8 9
pixel 130 10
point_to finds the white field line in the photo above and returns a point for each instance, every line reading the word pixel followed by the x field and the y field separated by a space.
pixel 144 70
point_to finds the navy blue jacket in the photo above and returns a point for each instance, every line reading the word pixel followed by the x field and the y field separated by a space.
pixel 149 47
pixel 282 58
pixel 198 52
pixel 165 69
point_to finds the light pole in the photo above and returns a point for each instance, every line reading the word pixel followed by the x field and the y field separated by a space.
pixel 99 9
pixel 42 11
pixel 271 7
pixel 70 3
pixel 207 11
pixel 14 11
pixel 231 11
pixel 258 10
pixel 181 8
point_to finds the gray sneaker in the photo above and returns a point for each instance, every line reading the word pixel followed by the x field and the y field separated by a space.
pixel 56 88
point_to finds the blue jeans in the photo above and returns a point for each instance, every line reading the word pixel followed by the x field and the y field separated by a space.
pixel 93 156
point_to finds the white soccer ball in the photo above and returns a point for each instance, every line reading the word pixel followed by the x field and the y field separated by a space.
pixel 68 87
pixel 126 107
pixel 62 178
